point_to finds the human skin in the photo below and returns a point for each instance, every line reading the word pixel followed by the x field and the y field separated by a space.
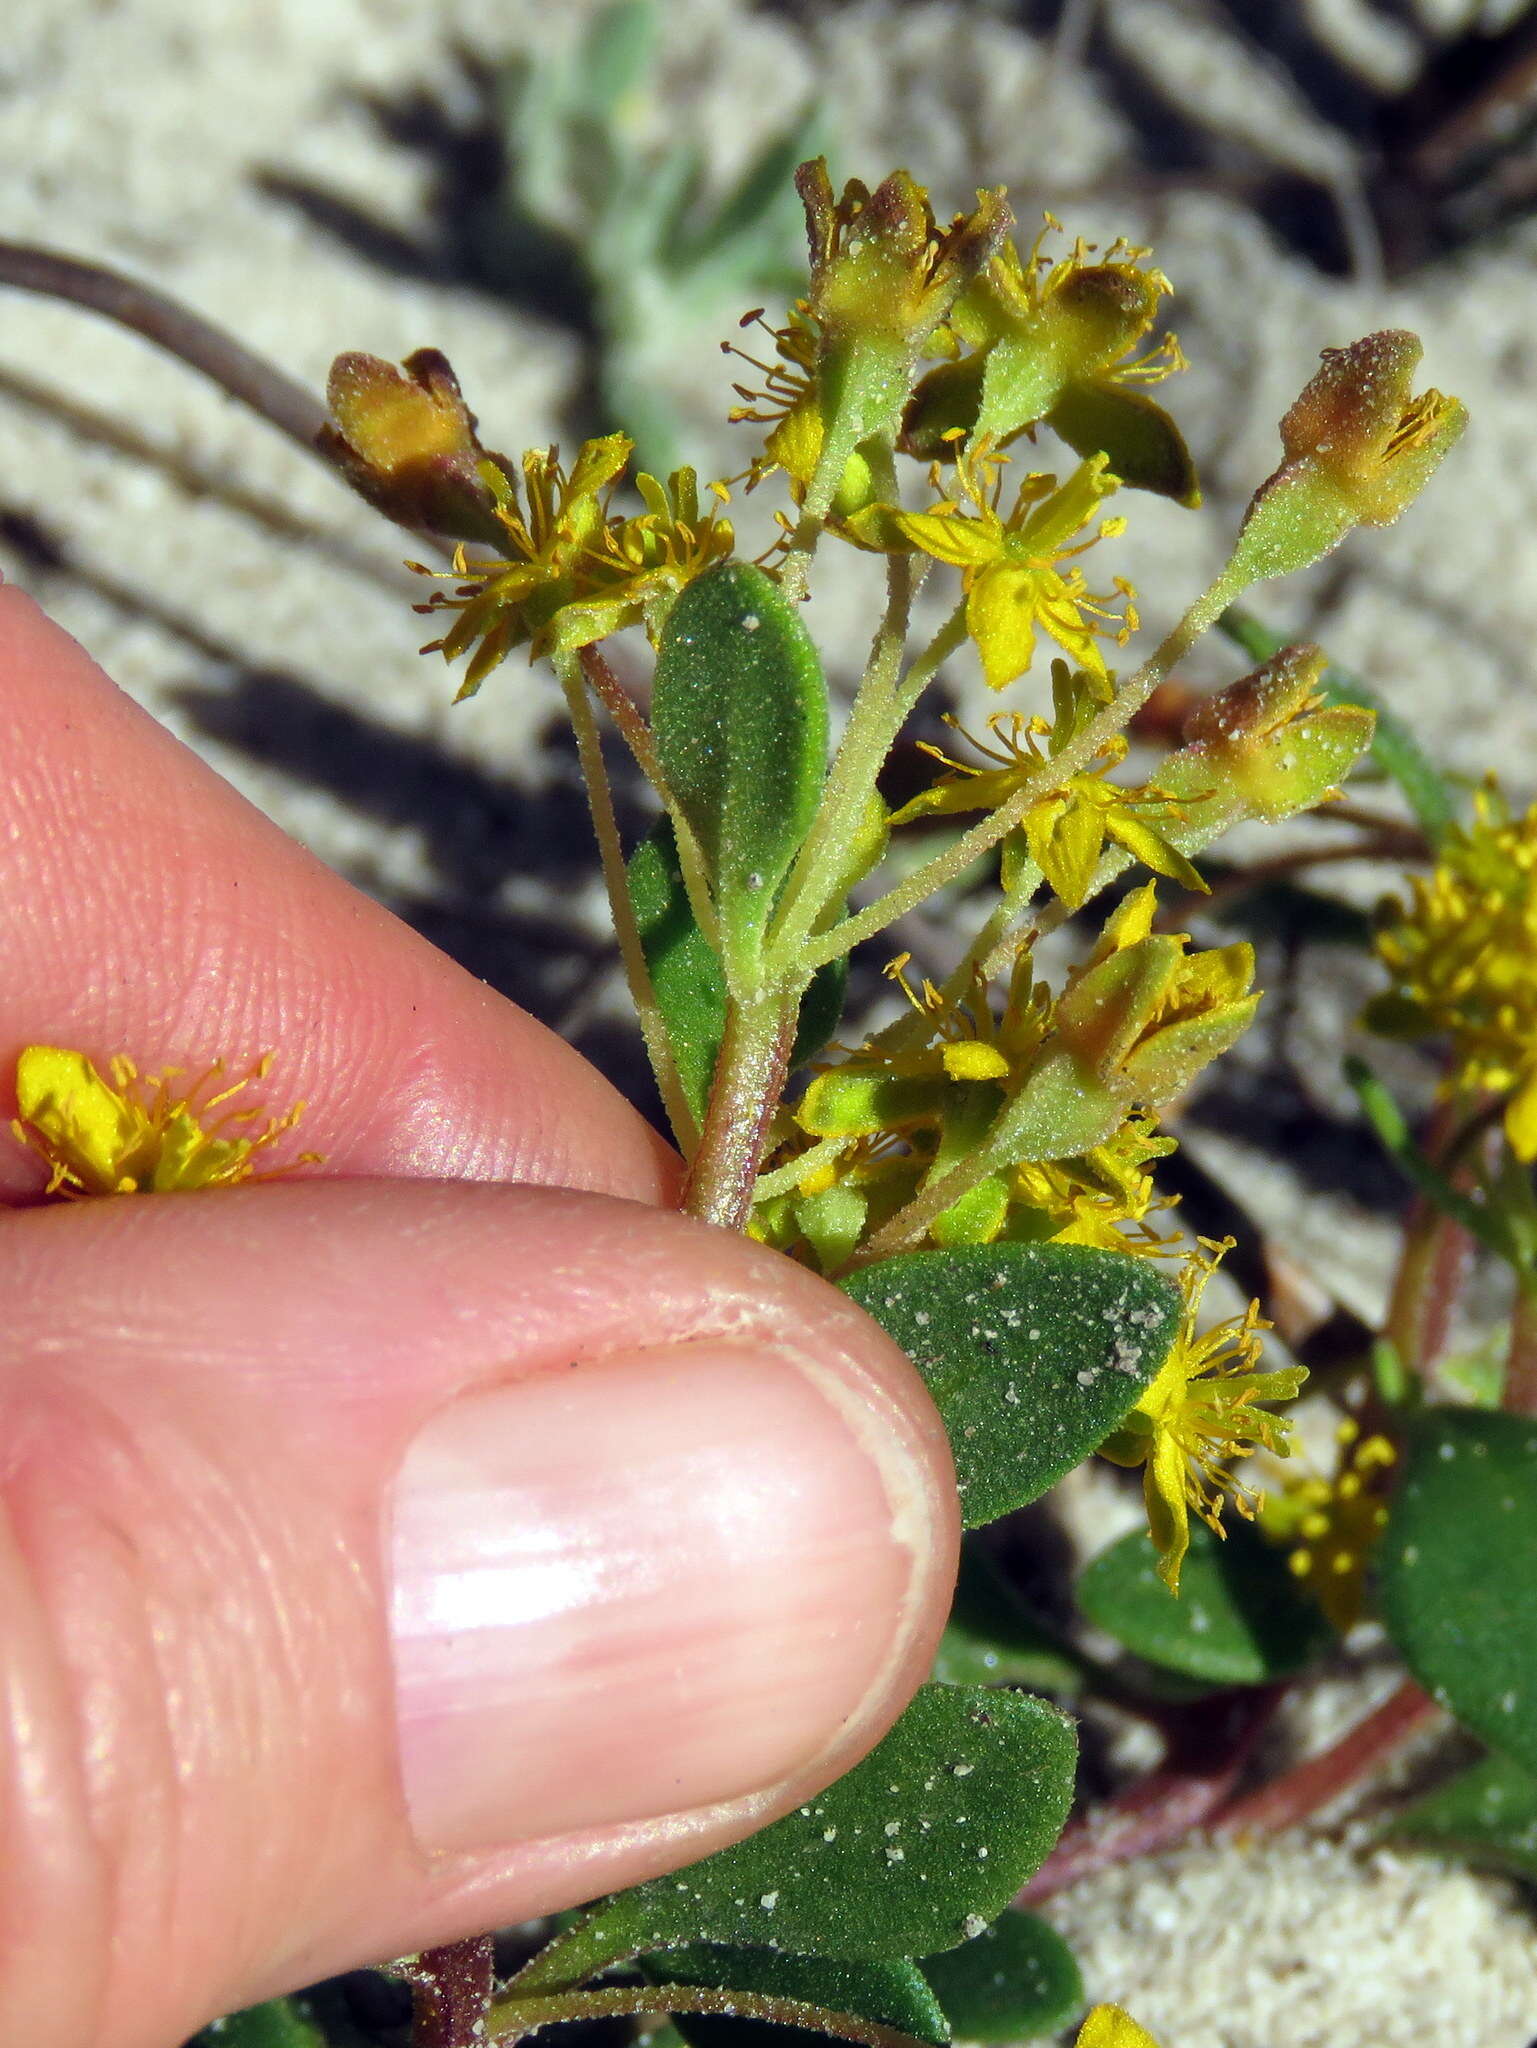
pixel 412 1544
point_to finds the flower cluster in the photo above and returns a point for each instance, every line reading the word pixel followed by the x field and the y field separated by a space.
pixel 1463 956
pixel 1332 1526
pixel 141 1134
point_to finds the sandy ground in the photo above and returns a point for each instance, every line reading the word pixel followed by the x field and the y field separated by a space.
pixel 256 159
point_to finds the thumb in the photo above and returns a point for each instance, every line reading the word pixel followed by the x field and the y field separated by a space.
pixel 382 1562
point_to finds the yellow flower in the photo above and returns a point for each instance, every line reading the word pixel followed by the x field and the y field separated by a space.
pixel 1104 1197
pixel 571 573
pixel 1066 828
pixel 1332 1526
pixel 1107 2026
pixel 1199 1416
pixel 1013 565
pixel 1143 1016
pixel 1463 956
pixel 138 1135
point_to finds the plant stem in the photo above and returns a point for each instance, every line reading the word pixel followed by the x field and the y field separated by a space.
pixel 749 1080
pixel 636 734
pixel 632 953
pixel 1520 1393
pixel 451 1990
pixel 1300 1793
pixel 1209 1748
pixel 279 399
pixel 513 2017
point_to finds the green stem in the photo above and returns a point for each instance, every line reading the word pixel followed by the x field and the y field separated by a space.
pixel 749 1080
pixel 605 826
pixel 1076 755
pixel 824 856
pixel 783 1178
pixel 514 2016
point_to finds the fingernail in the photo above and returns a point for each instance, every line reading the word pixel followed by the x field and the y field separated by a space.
pixel 641 1586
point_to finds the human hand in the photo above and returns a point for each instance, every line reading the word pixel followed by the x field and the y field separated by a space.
pixel 385 1557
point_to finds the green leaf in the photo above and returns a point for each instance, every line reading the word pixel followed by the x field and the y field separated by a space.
pixel 1239 1617
pixel 1394 748
pixel 1033 1353
pixel 686 972
pixel 280 2023
pixel 895 1994
pixel 1016 1981
pixel 916 1849
pixel 1145 447
pixel 1487 1815
pixel 1459 1571
pixel 739 719
pixel 991 1638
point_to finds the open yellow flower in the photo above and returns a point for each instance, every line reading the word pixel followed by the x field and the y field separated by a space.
pixel 1014 564
pixel 571 573
pixel 1200 1416
pixel 1066 828
pixel 134 1134
pixel 1107 2026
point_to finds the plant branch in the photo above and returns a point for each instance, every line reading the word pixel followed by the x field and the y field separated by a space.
pixel 1210 1746
pixel 513 2017
pixel 605 826
pixel 451 1990
pixel 1298 1794
pixel 749 1080
pixel 278 398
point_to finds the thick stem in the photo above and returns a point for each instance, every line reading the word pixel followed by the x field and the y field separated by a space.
pixel 451 1989
pixel 1432 1265
pixel 279 399
pixel 514 2017
pixel 1298 1794
pixel 749 1080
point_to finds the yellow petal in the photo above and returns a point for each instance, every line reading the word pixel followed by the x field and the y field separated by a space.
pixel 1521 1119
pixel 1107 2026
pixel 951 537
pixel 82 1122
pixel 999 619
pixel 970 1059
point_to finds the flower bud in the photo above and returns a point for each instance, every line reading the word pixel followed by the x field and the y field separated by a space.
pixel 405 440
pixel 1358 450
pixel 1269 744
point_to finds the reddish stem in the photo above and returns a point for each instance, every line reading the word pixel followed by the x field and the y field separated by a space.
pixel 1209 1747
pixel 1300 1793
pixel 1520 1395
pixel 451 1989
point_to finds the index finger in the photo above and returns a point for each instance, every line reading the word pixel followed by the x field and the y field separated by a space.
pixel 146 908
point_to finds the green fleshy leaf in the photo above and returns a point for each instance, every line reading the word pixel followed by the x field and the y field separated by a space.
pixel 686 971
pixel 991 1638
pixel 1239 1617
pixel 1016 1981
pixel 1145 447
pixel 1487 1815
pixel 895 1994
pixel 915 1850
pixel 739 719
pixel 279 2023
pixel 1033 1353
pixel 1459 1571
